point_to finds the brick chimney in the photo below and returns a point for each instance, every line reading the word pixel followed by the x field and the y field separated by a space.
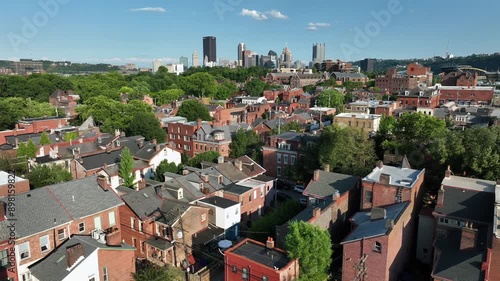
pixel 316 175
pixel 141 184
pixel 157 148
pixel 385 179
pixel 447 173
pixel 316 212
pixel 469 237
pixel 440 199
pixel 3 210
pixel 198 123
pixel 220 160
pixel 238 164
pixel 114 238
pixel 73 253
pixel 102 181
pixel 270 243
pixel 153 141
pixel 326 167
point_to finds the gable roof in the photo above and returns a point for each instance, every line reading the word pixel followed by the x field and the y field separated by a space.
pixel 330 183
pixel 148 151
pixel 367 228
pixel 52 206
pixel 54 266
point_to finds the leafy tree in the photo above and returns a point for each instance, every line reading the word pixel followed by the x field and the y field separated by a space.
pixel 15 108
pixel 126 165
pixel 265 225
pixel 480 152
pixel 245 142
pixel 164 167
pixel 31 149
pixel 199 84
pixel 167 96
pixel 69 136
pixel 255 87
pixel 209 156
pixel 309 89
pixel 44 139
pixel 43 175
pixel 194 110
pixel 331 98
pixel 126 90
pixel 157 273
pixel 313 247
pixel 145 124
pixel 347 150
pixel 225 90
pixel 288 127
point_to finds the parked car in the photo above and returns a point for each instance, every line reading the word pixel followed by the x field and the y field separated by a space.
pixel 299 188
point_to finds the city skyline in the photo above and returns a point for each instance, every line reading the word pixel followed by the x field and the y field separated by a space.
pixel 127 32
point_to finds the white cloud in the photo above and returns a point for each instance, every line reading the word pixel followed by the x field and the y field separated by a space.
pixel 149 9
pixel 313 26
pixel 256 15
pixel 277 14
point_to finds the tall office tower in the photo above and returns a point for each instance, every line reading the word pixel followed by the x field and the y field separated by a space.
pixel 318 52
pixel 210 48
pixel 241 49
pixel 368 65
pixel 156 65
pixel 286 57
pixel 196 59
pixel 184 61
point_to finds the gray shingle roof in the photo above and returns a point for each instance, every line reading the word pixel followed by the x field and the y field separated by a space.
pixel 143 202
pixel 37 211
pixel 372 228
pixel 219 202
pixel 237 189
pixel 329 183
pixel 84 197
pixel 148 151
pixel 54 266
pixel 98 160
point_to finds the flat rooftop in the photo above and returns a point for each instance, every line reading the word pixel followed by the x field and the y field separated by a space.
pixel 470 183
pixel 359 116
pixel 260 254
pixel 399 176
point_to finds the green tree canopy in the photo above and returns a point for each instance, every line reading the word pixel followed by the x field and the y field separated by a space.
pixel 43 175
pixel 199 84
pixel 126 166
pixel 331 98
pixel 145 124
pixel 44 139
pixel 164 167
pixel 245 142
pixel 225 90
pixel 347 150
pixel 167 96
pixel 209 156
pixel 194 110
pixel 14 109
pixel 255 87
pixel 313 247
pixel 156 273
pixel 288 127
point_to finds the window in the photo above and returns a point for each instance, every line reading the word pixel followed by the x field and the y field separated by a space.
pixel 141 226
pixel 369 196
pixel 91 278
pixel 81 227
pixel 255 194
pixel 292 160
pixel 235 269
pixel 27 277
pixel 97 223
pixel 250 198
pixel 44 243
pixel 132 223
pixel 61 234
pixel 377 247
pixel 285 159
pixel 143 246
pixel 24 250
pixel 264 278
pixel 278 171
pixel 4 259
pixel 203 217
pixel 105 274
pixel 278 158
pixel 112 219
pixel 134 242
pixel 244 274
pixel 187 147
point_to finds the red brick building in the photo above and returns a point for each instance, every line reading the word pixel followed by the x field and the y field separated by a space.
pixel 254 261
pixel 65 102
pixel 466 95
pixel 377 248
pixel 48 216
pixel 252 201
pixel 18 184
pixel 460 78
pixel 395 82
pixel 34 125
pixel 464 227
pixel 419 97
pixel 281 153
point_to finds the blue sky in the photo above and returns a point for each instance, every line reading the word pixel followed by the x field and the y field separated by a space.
pixel 137 31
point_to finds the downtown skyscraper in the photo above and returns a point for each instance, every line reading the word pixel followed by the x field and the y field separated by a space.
pixel 241 49
pixel 318 52
pixel 209 49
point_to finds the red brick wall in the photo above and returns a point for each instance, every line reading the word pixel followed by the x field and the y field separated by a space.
pixel 256 270
pixel 415 69
pixel 20 187
pixel 176 133
pixel 120 264
pixel 432 102
pixel 495 260
pixel 467 94
pixel 128 233
pixel 4 272
pixel 249 209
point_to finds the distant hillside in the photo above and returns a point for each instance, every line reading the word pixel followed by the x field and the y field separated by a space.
pixel 67 67
pixel 483 61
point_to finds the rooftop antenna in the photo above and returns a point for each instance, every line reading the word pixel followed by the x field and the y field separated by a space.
pixel 447 49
